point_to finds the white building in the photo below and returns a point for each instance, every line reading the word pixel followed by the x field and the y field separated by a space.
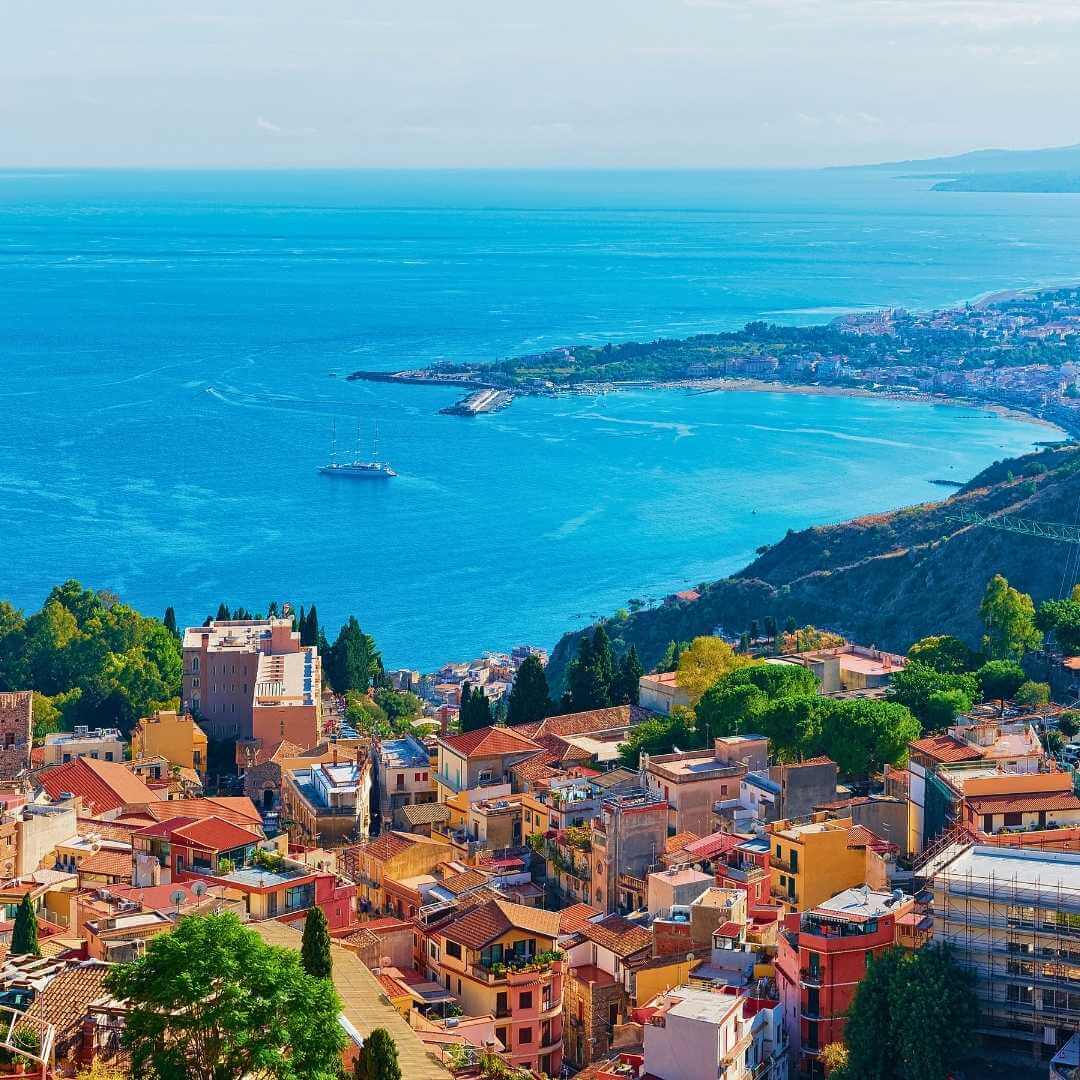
pixel 102 744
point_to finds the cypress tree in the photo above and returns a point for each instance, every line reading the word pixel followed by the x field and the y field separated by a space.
pixel 353 659
pixel 629 679
pixel 475 709
pixel 529 696
pixel 604 663
pixel 24 935
pixel 271 610
pixel 378 1058
pixel 315 945
pixel 300 623
pixel 170 622
pixel 309 628
pixel 223 612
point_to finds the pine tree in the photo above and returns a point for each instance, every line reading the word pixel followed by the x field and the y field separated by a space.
pixel 378 1058
pixel 309 628
pixel 170 622
pixel 24 935
pixel 222 613
pixel 753 630
pixel 315 945
pixel 353 661
pixel 475 709
pixel 529 696
pixel 588 690
pixel 271 610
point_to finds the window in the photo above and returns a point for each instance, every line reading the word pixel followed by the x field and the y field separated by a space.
pixel 503 1035
pixel 484 777
pixel 453 949
pixel 1012 819
pixel 525 1035
pixel 794 861
pixel 401 781
pixel 525 1000
pixel 195 680
pixel 416 777
pixel 194 664
pixel 502 1006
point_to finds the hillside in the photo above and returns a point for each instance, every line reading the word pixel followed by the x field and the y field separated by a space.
pixel 886 579
pixel 1050 159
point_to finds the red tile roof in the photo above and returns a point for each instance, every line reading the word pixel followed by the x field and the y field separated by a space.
pixel 240 810
pixel 488 742
pixel 112 864
pixel 492 919
pixel 580 723
pixel 714 844
pixel 102 785
pixel 572 917
pixel 861 836
pixel 1023 804
pixel 617 934
pixel 946 748
pixel 680 841
pixel 64 1000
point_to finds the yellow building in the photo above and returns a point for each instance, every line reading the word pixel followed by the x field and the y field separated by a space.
pixel 394 855
pixel 815 859
pixel 171 735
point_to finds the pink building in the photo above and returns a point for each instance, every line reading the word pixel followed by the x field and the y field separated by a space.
pixel 252 679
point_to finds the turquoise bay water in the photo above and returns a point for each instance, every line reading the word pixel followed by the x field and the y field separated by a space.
pixel 168 342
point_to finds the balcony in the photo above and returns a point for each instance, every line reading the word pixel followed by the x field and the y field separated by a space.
pixel 811 976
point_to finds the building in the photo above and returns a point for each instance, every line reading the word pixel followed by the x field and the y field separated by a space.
pixel 712 1033
pixel 16 732
pixel 815 859
pixel 105 787
pixel 822 955
pixel 173 736
pixel 1012 917
pixel 499 959
pixel 103 744
pixel 599 983
pixel 480 758
pixel 660 692
pixel 393 855
pixel 263 765
pixel 252 679
pixel 403 774
pixel 847 668
pixel 691 783
pixel 628 837
pixel 329 804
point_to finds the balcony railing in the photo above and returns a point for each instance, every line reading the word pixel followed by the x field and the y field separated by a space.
pixel 810 976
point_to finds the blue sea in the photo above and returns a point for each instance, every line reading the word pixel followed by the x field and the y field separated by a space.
pixel 174 344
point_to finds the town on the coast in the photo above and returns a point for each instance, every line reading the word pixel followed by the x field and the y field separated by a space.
pixel 244 848
pixel 1016 349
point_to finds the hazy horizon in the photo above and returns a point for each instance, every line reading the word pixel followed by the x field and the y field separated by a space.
pixel 691 84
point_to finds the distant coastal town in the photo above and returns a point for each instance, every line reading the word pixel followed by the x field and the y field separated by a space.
pixel 1019 350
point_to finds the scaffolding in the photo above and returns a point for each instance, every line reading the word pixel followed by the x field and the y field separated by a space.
pixel 1020 938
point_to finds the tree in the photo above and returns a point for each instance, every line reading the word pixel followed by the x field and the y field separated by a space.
pixel 943 707
pixel 1054 741
pixel 661 735
pixel 1008 617
pixel 212 1001
pixel 1069 723
pixel 753 630
pixel 627 686
pixel 353 662
pixel 729 708
pixel 378 1058
pixel 861 735
pixel 1032 693
pixel 791 725
pixel 999 680
pixel 169 621
pixel 808 639
pixel 1062 619
pixel 585 679
pixel 770 628
pixel 703 663
pixel 475 709
pixel 309 627
pixel 915 683
pixel 24 935
pixel 315 945
pixel 670 660
pixel 944 653
pixel 222 613
pixel 603 661
pixel 869 1022
pixel 530 699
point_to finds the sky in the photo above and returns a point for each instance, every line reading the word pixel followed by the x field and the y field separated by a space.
pixel 505 84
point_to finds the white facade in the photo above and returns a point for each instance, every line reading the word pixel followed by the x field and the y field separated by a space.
pixel 102 744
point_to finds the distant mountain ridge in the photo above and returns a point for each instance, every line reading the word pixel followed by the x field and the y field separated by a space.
pixel 992 160
pixel 885 579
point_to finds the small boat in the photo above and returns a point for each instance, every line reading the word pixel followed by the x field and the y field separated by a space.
pixel 366 470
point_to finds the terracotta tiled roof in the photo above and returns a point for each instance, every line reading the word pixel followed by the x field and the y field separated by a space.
pixel 239 810
pixel 113 864
pixel 535 768
pixel 102 785
pixel 488 742
pixel 1023 804
pixel 714 844
pixel 617 934
pixel 580 723
pixel 679 841
pixel 572 918
pixel 64 1000
pixel 861 836
pixel 494 918
pixel 425 813
pixel 216 834
pixel 946 748
pixel 383 848
pixel 107 830
pixel 460 883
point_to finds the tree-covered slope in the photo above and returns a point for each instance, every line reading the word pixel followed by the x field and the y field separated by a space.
pixel 885 579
